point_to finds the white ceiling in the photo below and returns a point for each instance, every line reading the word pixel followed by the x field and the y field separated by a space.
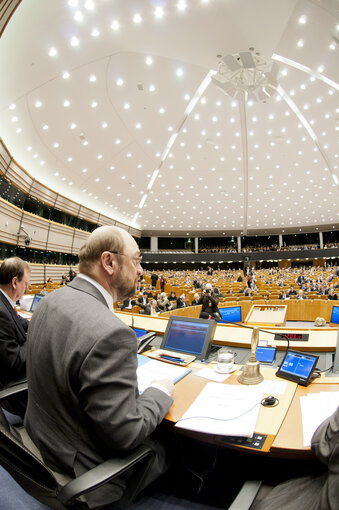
pixel 225 171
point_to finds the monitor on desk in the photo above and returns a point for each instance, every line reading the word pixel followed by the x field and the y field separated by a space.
pixel 335 315
pixel 231 313
pixel 37 298
pixel 189 336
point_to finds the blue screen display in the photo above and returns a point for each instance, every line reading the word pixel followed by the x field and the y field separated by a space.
pixel 231 313
pixel 188 337
pixel 266 354
pixel 298 364
pixel 37 298
pixel 335 315
pixel 140 332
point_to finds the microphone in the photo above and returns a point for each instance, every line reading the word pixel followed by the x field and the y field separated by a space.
pixel 282 335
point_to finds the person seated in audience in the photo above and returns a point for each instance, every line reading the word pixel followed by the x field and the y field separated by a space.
pixel 49 281
pixel 14 281
pixel 195 300
pixel 182 301
pixel 163 303
pixel 301 295
pixel 332 295
pixel 283 295
pixel 173 299
pixel 152 308
pixel 128 304
pixel 83 400
pixel 44 291
pixel 142 301
pixel 292 292
pixel 311 492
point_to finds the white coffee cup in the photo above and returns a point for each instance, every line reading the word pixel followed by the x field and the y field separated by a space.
pixel 225 361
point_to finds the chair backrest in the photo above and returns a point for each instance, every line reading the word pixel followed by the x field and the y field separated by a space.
pixel 26 467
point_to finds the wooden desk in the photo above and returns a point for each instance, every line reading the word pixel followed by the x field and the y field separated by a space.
pixel 281 424
pixel 269 418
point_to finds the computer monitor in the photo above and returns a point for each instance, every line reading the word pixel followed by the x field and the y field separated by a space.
pixel 335 315
pixel 140 332
pixel 189 336
pixel 231 313
pixel 37 298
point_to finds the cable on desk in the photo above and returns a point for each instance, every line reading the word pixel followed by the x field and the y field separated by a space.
pixel 220 419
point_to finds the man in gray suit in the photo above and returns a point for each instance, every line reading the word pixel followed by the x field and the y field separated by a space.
pixel 83 400
pixel 309 492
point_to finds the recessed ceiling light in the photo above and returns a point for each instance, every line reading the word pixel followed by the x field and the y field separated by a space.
pixel 94 104
pixel 52 52
pixel 66 103
pixel 38 104
pixel 69 159
pixel 115 25
pixel 117 141
pixel 78 16
pixel 126 106
pixel 104 125
pixel 18 130
pixel 158 12
pixel 302 20
pixel 12 106
pixel 66 75
pixel 137 18
pixel 74 41
pixel 95 32
pixel 179 72
pixel 73 125
pixel 56 145
pixel 92 78
pixel 300 43
pixel 119 82
pixel 45 127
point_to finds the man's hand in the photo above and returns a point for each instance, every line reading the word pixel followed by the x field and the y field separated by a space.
pixel 167 384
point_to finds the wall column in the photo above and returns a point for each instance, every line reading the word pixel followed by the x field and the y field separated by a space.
pixel 321 240
pixel 280 241
pixel 154 244
pixel 196 244
pixel 239 244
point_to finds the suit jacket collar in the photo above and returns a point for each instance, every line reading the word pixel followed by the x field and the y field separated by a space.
pixel 13 314
pixel 85 286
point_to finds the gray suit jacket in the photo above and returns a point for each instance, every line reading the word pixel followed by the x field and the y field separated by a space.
pixel 311 493
pixel 83 401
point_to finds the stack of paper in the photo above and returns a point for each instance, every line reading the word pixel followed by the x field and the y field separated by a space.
pixel 224 409
pixel 151 370
pixel 316 408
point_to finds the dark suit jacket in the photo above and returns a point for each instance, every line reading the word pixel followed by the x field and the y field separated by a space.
pixel 83 400
pixel 12 343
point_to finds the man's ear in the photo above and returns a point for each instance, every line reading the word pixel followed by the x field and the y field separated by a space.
pixel 108 263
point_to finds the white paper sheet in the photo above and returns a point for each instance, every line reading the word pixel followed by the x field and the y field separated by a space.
pixel 153 370
pixel 210 373
pixel 224 409
pixel 316 408
pixel 273 387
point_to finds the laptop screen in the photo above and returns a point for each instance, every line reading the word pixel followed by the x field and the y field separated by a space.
pixel 189 335
pixel 297 367
pixel 231 313
pixel 37 298
pixel 335 315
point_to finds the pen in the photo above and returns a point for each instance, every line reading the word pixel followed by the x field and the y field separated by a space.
pixel 171 358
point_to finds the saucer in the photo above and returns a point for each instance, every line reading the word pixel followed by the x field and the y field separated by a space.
pixel 225 373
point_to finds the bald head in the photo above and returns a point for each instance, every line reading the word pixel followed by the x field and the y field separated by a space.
pixel 107 238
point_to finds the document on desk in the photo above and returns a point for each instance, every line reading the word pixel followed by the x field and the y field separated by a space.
pixel 224 409
pixel 316 408
pixel 151 370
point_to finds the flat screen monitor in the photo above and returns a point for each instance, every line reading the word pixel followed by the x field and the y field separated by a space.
pixel 298 367
pixel 36 300
pixel 189 336
pixel 140 332
pixel 335 315
pixel 266 354
pixel 231 313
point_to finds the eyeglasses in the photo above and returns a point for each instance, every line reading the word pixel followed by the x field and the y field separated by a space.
pixel 137 260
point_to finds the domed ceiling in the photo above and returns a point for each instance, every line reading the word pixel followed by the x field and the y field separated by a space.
pixel 176 116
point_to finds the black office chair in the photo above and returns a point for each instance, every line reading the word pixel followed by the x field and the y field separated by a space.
pixel 20 457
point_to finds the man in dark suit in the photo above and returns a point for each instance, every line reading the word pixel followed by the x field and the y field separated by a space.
pixel 14 281
pixel 83 399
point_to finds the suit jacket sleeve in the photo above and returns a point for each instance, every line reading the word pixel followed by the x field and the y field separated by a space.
pixel 12 349
pixel 109 393
pixel 325 443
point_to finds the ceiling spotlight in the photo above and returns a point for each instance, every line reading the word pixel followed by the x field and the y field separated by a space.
pixel 247 73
